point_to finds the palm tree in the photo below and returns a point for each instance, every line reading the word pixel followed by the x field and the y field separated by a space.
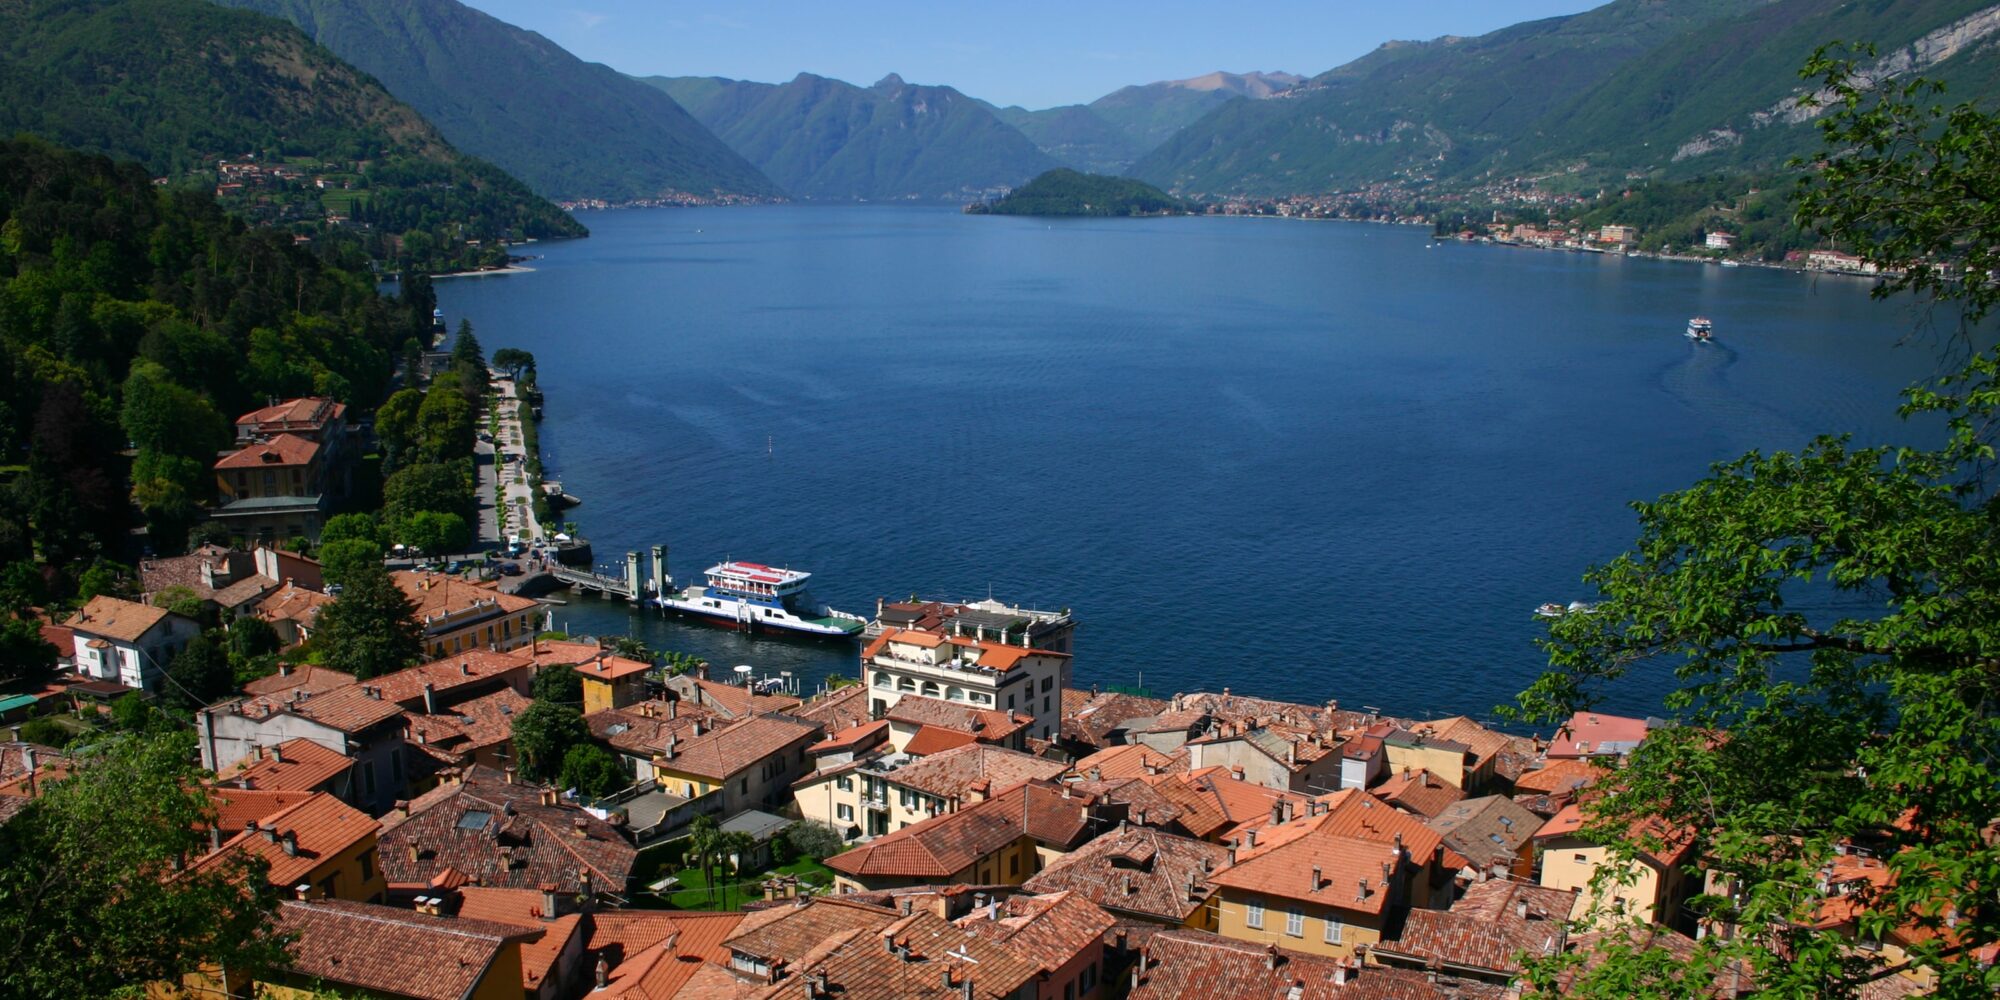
pixel 703 840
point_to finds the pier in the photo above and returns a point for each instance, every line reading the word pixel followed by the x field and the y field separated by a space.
pixel 632 587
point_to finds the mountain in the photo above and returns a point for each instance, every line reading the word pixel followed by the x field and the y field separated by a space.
pixel 1677 86
pixel 1065 192
pixel 1074 135
pixel 828 140
pixel 1149 114
pixel 179 85
pixel 571 129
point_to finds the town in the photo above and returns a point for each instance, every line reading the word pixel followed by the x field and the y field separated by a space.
pixel 959 819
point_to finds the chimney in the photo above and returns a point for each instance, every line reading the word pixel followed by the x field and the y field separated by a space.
pixel 1128 883
pixel 464 670
pixel 291 844
pixel 1271 957
pixel 302 891
pixel 673 708
pixel 582 827
pixel 948 984
pixel 1250 838
pixel 1277 814
pixel 549 902
pixel 1191 894
pixel 965 989
pixel 1317 881
pixel 278 753
pixel 415 852
pixel 603 972
pixel 1232 854
pixel 402 807
pixel 697 728
pixel 1236 771
pixel 1361 888
pixel 270 833
pixel 1340 974
pixel 510 774
pixel 284 670
pixel 430 703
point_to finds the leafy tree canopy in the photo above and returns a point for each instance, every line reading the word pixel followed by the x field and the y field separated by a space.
pixel 371 627
pixel 543 735
pixel 592 770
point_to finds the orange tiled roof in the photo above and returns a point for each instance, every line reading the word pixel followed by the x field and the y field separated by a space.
pixel 947 844
pixel 115 619
pixel 281 451
pixel 1559 776
pixel 406 686
pixel 310 411
pixel 724 752
pixel 454 734
pixel 852 737
pixel 320 827
pixel 1418 791
pixel 936 739
pixel 610 667
pixel 837 710
pixel 305 677
pixel 296 765
pixel 1049 930
pixel 738 701
pixel 948 773
pixel 350 709
pixel 910 959
pixel 1137 870
pixel 985 724
pixel 523 908
pixel 1487 929
pixel 1192 965
pixel 498 833
pixel 1132 760
pixel 1591 733
pixel 434 594
pixel 391 949
pixel 1350 872
pixel 785 935
pixel 1487 831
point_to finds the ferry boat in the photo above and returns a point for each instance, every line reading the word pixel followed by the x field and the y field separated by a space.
pixel 1700 330
pixel 1554 610
pixel 754 597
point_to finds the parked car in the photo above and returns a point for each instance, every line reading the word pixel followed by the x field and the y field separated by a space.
pixel 510 569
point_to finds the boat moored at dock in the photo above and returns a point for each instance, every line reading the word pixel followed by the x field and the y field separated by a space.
pixel 754 597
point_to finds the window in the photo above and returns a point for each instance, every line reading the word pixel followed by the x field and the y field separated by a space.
pixel 1010 701
pixel 1014 866
pixel 881 679
pixel 845 812
pixel 930 689
pixel 327 889
pixel 1047 683
pixel 981 698
pixel 1069 991
pixel 1253 916
pixel 1045 703
pixel 1087 981
pixel 845 783
pixel 1582 859
pixel 368 865
pixel 1332 931
pixel 1295 922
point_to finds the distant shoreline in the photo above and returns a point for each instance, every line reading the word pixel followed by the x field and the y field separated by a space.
pixel 483 272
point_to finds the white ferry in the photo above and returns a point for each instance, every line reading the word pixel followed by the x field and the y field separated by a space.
pixel 1700 330
pixel 754 597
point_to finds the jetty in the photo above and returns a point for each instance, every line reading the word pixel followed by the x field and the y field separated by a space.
pixel 633 586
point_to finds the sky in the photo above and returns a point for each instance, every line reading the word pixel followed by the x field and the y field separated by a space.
pixel 1035 53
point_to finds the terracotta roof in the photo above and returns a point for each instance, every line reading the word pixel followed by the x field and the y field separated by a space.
pixel 1192 965
pixel 351 709
pixel 304 677
pixel 643 729
pixel 787 934
pixel 1215 805
pixel 1049 930
pixel 926 947
pixel 1100 715
pixel 292 603
pixel 985 724
pixel 1002 656
pixel 858 737
pixel 1675 846
pixel 1487 831
pixel 280 451
pixel 739 701
pixel 191 570
pixel 502 834
pixel 946 844
pixel 1143 803
pixel 392 949
pixel 320 826
pixel 115 619
pixel 837 710
pixel 1484 743
pixel 306 411
pixel 673 961
pixel 244 591
pixel 1486 929
pixel 296 765
pixel 948 773
pixel 454 734
pixel 1345 863
pixel 1418 791
pixel 1559 776
pixel 1131 761
pixel 1594 733
pixel 433 594
pixel 727 751
pixel 523 908
pixel 936 739
pixel 548 653
pixel 1137 870
pixel 14 758
pixel 610 667
pixel 444 675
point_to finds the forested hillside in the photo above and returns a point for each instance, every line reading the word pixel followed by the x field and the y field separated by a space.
pixel 570 129
pixel 180 85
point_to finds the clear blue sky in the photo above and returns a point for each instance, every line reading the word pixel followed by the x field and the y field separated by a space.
pixel 1035 53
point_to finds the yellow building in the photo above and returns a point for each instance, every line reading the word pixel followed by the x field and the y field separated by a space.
pixel 457 616
pixel 1004 840
pixel 751 763
pixel 1650 889
pixel 318 847
pixel 1321 894
pixel 612 682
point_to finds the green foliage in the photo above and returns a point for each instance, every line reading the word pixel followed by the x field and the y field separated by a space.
pixel 808 839
pixel 46 732
pixel 98 858
pixel 132 712
pixel 179 83
pixel 592 770
pixel 543 735
pixel 341 561
pixel 514 361
pixel 371 627
pixel 1065 192
pixel 433 533
pixel 445 425
pixel 200 674
pixel 181 600
pixel 823 139
pixel 348 527
pixel 249 639
pixel 445 488
pixel 570 129
pixel 1802 725
pixel 396 427
pixel 104 578
pixel 24 654
pixel 1079 137
pixel 558 685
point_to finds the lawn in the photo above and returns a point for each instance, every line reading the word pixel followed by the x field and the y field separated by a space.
pixel 734 890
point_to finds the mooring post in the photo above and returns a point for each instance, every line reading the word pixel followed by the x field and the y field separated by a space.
pixel 660 569
pixel 632 576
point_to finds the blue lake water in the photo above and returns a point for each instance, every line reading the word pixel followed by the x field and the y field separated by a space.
pixel 1302 460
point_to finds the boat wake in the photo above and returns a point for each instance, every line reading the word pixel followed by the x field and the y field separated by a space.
pixel 1700 381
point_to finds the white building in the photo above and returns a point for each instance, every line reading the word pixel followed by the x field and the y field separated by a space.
pixel 126 642
pixel 974 672
pixel 1720 241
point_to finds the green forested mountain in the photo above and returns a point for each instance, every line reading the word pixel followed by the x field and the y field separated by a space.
pixel 1063 191
pixel 829 140
pixel 1639 85
pixel 1150 114
pixel 1074 135
pixel 570 129
pixel 135 316
pixel 180 84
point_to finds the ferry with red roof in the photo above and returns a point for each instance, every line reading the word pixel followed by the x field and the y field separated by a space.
pixel 1700 330
pixel 754 597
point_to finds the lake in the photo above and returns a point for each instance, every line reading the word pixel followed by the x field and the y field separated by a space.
pixel 1301 460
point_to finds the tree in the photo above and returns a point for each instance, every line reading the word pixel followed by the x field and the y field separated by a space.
pixel 444 427
pixel 24 654
pixel 46 732
pixel 544 732
pixel 1799 729
pixel 632 648
pixel 592 771
pixel 808 839
pixel 146 917
pixel 371 627
pixel 466 350
pixel 133 713
pixel 703 840
pixel 396 427
pixel 513 360
pixel 199 674
pixel 250 638
pixel 340 561
pixel 350 527
pixel 179 599
pixel 432 532
pixel 430 486
pixel 559 686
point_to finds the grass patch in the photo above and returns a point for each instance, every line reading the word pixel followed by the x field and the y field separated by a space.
pixel 693 891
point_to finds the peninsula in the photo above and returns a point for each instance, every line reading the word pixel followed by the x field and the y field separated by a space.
pixel 1069 192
